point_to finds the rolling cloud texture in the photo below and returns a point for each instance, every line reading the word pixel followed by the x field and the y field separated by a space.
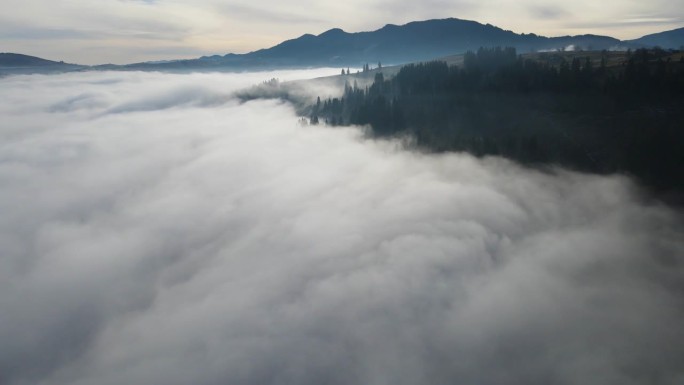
pixel 155 230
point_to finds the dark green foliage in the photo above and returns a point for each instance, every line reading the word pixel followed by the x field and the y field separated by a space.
pixel 576 113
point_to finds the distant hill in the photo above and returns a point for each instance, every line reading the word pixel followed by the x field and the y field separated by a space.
pixel 19 60
pixel 392 44
pixel 14 63
pixel 668 40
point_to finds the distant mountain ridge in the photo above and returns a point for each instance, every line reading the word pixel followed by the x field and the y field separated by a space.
pixel 669 39
pixel 18 60
pixel 391 44
pixel 14 63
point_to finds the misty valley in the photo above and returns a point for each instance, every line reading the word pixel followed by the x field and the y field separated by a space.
pixel 483 207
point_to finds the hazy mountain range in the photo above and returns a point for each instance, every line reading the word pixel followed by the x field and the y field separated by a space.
pixel 18 63
pixel 392 44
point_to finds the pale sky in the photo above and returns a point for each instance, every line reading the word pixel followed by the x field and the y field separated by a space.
pixel 125 31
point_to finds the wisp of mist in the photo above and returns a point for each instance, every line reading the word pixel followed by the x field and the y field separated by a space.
pixel 154 229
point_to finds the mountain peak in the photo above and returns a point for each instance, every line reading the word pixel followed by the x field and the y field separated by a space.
pixel 334 31
pixel 411 42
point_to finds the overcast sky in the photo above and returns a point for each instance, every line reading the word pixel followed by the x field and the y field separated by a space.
pixel 124 31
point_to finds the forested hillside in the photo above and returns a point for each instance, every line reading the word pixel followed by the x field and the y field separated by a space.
pixel 586 111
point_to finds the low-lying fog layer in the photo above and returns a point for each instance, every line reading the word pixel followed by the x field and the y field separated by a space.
pixel 154 230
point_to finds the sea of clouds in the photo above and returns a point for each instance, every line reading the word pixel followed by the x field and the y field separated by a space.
pixel 156 230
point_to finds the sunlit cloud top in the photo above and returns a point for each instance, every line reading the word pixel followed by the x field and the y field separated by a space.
pixel 124 31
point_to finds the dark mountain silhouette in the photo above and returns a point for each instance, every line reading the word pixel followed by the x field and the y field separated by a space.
pixel 392 44
pixel 19 60
pixel 673 39
pixel 14 63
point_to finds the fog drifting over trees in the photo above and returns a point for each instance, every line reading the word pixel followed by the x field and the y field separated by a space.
pixel 155 230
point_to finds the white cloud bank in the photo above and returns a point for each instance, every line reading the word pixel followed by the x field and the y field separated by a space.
pixel 156 231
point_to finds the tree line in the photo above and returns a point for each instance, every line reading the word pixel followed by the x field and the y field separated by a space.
pixel 582 112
